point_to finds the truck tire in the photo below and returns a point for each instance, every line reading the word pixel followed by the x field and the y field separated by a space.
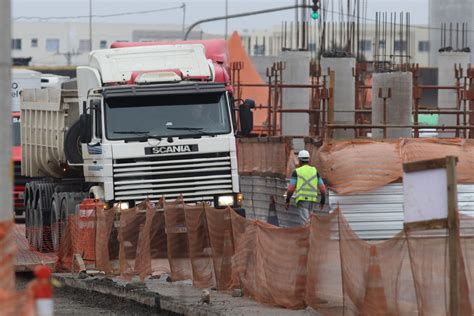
pixel 69 201
pixel 33 225
pixel 55 221
pixel 72 144
pixel 43 217
pixel 27 206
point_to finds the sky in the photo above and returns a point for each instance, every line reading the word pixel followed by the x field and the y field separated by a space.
pixel 195 10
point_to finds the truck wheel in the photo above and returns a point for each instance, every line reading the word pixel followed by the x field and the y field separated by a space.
pixel 55 222
pixel 27 206
pixel 69 201
pixel 31 204
pixel 72 144
pixel 43 218
pixel 34 196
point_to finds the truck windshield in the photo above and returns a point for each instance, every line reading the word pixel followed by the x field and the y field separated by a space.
pixel 167 115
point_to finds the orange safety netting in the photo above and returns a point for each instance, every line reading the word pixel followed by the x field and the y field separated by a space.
pixel 263 155
pixel 365 165
pixel 323 264
pixel 12 303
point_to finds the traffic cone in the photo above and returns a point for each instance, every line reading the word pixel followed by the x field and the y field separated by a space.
pixel 272 213
pixel 375 301
pixel 43 291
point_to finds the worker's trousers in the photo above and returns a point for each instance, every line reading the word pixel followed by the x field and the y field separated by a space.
pixel 304 210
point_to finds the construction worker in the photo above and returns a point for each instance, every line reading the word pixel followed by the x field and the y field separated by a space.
pixel 303 188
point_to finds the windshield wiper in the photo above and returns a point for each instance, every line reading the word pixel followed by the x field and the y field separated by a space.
pixel 197 130
pixel 146 135
pixel 184 128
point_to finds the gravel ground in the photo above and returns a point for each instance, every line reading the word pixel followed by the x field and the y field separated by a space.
pixel 68 301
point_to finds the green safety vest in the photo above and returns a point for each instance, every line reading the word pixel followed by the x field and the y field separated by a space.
pixel 306 184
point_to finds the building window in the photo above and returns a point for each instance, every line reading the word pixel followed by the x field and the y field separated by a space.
pixel 52 45
pixel 400 46
pixel 365 45
pixel 84 46
pixel 382 44
pixel 258 50
pixel 423 46
pixel 34 42
pixel 103 44
pixel 16 43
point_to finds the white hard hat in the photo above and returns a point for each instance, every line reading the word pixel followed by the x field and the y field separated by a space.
pixel 303 155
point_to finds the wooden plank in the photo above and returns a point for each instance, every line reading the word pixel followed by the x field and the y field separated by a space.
pixel 453 243
pixel 422 165
pixel 423 225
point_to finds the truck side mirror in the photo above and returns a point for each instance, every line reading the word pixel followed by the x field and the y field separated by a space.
pixel 246 117
pixel 86 128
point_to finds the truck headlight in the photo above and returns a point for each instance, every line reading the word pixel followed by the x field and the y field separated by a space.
pixel 122 205
pixel 225 200
pixel 240 199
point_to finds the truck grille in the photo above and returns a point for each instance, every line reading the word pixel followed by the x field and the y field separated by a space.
pixel 198 177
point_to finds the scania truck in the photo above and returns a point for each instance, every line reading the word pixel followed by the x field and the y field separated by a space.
pixel 143 123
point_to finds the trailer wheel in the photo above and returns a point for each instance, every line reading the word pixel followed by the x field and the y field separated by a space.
pixel 69 201
pixel 27 206
pixel 72 144
pixel 55 222
pixel 31 205
pixel 43 217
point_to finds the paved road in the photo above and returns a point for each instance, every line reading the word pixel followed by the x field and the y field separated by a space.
pixel 68 301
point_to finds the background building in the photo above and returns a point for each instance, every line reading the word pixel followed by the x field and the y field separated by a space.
pixel 450 11
pixel 67 43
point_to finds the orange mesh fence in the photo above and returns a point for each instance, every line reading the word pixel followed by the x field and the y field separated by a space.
pixel 199 247
pixel 467 242
pixel 324 264
pixel 151 256
pixel 244 259
pixel 131 225
pixel 7 257
pixel 357 166
pixel 422 149
pixel 105 243
pixel 324 280
pixel 263 156
pixel 17 303
pixel 220 236
pixel 281 258
pixel 432 274
pixel 12 303
pixel 159 246
pixel 177 239
pixel 377 278
pixel 365 165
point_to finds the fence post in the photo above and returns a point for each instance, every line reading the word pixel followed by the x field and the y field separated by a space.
pixel 453 244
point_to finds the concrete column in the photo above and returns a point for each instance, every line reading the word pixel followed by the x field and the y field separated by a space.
pixel 296 72
pixel 6 173
pixel 399 106
pixel 446 77
pixel 344 92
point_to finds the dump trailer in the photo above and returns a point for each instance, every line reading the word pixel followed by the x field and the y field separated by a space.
pixel 143 123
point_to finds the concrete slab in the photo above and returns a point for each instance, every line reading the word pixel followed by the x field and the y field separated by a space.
pixel 177 297
pixel 26 258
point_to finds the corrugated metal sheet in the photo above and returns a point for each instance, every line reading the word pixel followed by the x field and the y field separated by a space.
pixel 379 214
pixel 258 193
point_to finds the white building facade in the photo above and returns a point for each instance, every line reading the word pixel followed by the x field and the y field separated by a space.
pixel 270 42
pixel 67 43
